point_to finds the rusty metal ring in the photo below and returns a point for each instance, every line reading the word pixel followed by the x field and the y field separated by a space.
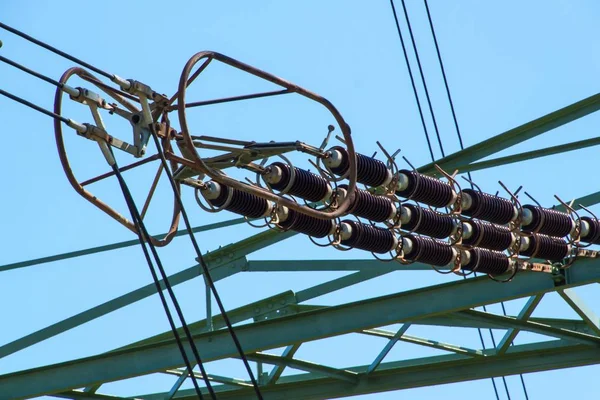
pixel 202 167
pixel 62 153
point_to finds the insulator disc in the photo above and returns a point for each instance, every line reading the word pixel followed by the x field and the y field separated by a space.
pixel 429 251
pixel 306 185
pixel 593 235
pixel 369 206
pixel 487 207
pixel 370 238
pixel 306 224
pixel 546 248
pixel 242 203
pixel 369 171
pixel 548 222
pixel 428 222
pixel 425 189
pixel 489 236
pixel 487 262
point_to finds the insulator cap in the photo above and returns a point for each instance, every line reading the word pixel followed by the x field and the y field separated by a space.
pixel 428 222
pixel 429 251
pixel 369 206
pixel 593 233
pixel 545 247
pixel 306 224
pixel 368 237
pixel 486 261
pixel 241 203
pixel 488 236
pixel 425 189
pixel 369 171
pixel 548 222
pixel 487 207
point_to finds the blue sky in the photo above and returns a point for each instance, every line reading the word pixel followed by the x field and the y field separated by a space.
pixel 507 63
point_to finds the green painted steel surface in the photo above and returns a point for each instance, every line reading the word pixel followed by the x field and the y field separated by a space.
pixel 327 322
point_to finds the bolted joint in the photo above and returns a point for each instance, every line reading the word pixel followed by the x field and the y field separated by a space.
pixel 93 132
pixel 87 97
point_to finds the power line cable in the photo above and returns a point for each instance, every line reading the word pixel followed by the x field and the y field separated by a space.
pixel 144 238
pixel 142 234
pixel 203 264
pixel 460 141
pixel 412 38
pixel 437 132
pixel 412 81
pixel 171 180
pixel 55 50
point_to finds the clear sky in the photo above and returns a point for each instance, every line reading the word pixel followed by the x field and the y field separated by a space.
pixel 507 62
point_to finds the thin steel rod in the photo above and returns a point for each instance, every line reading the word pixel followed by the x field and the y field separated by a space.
pixel 113 246
pixel 235 98
pixel 122 169
pixel 192 78
pixel 152 190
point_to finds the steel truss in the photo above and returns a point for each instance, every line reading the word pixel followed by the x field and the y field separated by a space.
pixel 285 319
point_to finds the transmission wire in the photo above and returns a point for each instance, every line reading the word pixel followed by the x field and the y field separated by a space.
pixel 144 238
pixel 423 122
pixel 412 81
pixel 412 38
pixel 205 270
pixel 142 234
pixel 460 141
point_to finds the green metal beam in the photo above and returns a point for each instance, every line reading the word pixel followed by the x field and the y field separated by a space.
pixel 510 322
pixel 392 365
pixel 387 348
pixel 434 344
pixel 77 395
pixel 331 265
pixel 427 372
pixel 516 135
pixel 249 311
pixel 454 320
pixel 331 321
pixel 277 370
pixel 529 155
pixel 222 262
pixel 579 306
pixel 112 246
pixel 339 283
pixel 302 365
pixel 524 315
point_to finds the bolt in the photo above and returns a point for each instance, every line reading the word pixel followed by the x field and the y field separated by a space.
pixel 256 310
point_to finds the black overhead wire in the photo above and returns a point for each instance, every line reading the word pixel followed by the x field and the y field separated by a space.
pixel 412 38
pixel 139 222
pixel 55 50
pixel 33 106
pixel 412 81
pixel 144 238
pixel 460 141
pixel 437 133
pixel 427 137
pixel 205 270
pixel 142 234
